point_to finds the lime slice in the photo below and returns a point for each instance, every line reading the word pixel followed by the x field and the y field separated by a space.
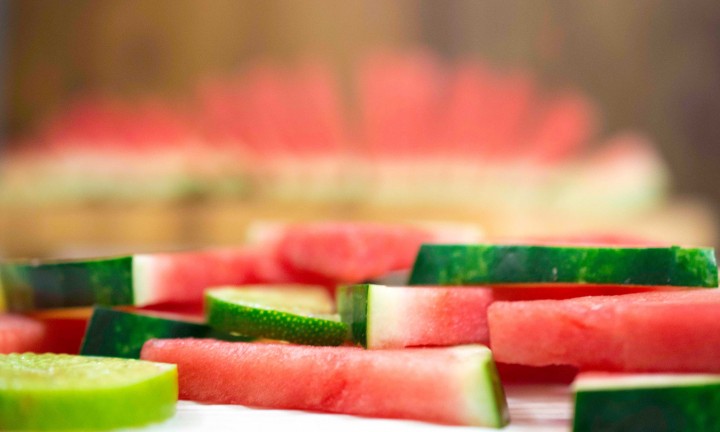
pixel 65 392
pixel 290 313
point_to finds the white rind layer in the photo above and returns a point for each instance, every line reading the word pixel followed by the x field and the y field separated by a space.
pixel 387 309
pixel 144 272
pixel 477 377
pixel 611 382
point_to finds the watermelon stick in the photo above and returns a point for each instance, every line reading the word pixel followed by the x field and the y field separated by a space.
pixel 134 280
pixel 397 317
pixel 664 331
pixel 646 402
pixel 457 385
pixel 114 333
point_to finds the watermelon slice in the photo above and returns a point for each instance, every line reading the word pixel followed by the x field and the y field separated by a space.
pixel 456 385
pixel 295 313
pixel 114 333
pixel 560 291
pixel 184 276
pixel 32 285
pixel 504 264
pixel 20 334
pixel 128 280
pixel 64 329
pixel 649 402
pixel 63 392
pixel 353 252
pixel 645 332
pixel 397 317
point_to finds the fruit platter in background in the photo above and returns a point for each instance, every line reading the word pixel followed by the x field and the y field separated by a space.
pixel 409 135
pixel 397 326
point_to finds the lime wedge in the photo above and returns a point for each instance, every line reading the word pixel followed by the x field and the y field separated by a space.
pixel 66 392
pixel 301 315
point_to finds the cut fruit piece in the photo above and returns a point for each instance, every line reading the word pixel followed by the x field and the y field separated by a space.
pixel 561 291
pixel 396 317
pixel 64 329
pixel 457 385
pixel 182 277
pixel 351 252
pixel 63 392
pixel 20 334
pixel 56 284
pixel 194 312
pixel 505 264
pixel 651 402
pixel 137 280
pixel 114 333
pixel 293 313
pixel 674 331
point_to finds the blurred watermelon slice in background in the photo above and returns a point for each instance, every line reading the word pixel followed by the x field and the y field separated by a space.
pixel 408 135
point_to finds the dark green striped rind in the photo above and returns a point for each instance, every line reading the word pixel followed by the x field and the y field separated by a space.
pixel 113 333
pixel 675 408
pixel 45 285
pixel 352 301
pixel 268 323
pixel 507 264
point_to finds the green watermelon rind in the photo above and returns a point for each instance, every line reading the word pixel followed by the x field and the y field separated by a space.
pixel 114 333
pixel 121 393
pixel 352 306
pixel 647 402
pixel 257 321
pixel 116 281
pixel 32 285
pixel 485 395
pixel 518 264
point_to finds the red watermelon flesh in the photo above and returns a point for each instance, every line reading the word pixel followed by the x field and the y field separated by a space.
pixel 665 331
pixel 20 334
pixel 182 277
pixel 525 292
pixel 193 311
pixel 317 112
pixel 350 252
pixel 563 129
pixel 268 268
pixel 513 101
pixel 429 384
pixel 519 374
pixel 64 329
pixel 268 117
pixel 401 317
pixel 399 96
pixel 467 109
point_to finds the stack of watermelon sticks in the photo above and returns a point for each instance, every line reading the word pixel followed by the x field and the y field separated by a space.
pixel 410 130
pixel 322 317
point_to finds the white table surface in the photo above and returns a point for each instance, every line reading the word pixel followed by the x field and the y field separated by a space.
pixel 532 409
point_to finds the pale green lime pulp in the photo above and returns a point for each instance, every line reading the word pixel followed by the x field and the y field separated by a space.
pixel 302 301
pixel 61 392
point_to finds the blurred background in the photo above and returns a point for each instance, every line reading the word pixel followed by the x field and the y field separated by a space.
pixel 132 125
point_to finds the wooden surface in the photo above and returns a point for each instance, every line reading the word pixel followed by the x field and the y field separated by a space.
pixel 72 231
